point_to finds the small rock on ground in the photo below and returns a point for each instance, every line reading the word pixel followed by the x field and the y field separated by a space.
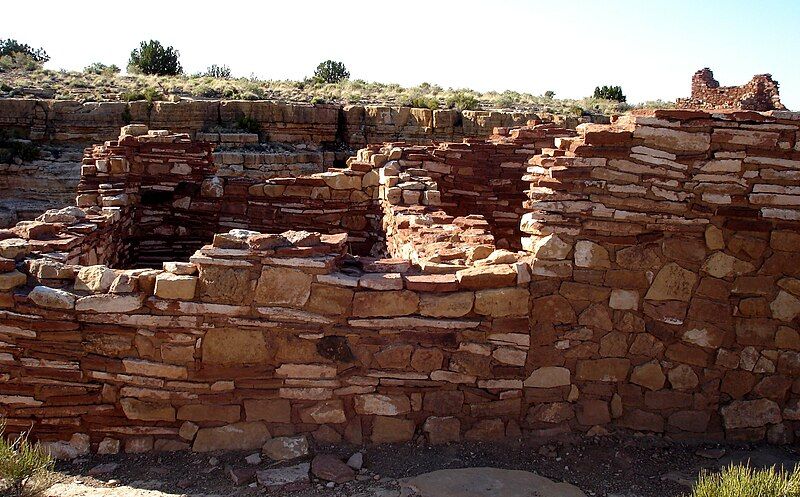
pixel 330 468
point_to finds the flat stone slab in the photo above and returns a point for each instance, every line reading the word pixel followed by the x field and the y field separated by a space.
pixel 487 482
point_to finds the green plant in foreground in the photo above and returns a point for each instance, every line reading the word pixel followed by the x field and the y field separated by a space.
pixel 744 481
pixel 24 467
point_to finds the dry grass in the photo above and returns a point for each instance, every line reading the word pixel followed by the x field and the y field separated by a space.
pixel 744 481
pixel 89 87
pixel 24 467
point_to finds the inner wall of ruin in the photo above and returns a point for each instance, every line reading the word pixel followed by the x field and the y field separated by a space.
pixel 657 290
pixel 293 139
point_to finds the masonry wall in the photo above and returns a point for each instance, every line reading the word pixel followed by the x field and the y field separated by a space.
pixel 657 292
pixel 351 125
pixel 481 177
pixel 759 94
pixel 666 251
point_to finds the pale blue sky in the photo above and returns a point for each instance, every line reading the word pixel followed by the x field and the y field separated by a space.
pixel 651 48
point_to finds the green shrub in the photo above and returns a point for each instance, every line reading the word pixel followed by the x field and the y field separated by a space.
pixel 575 111
pixel 16 55
pixel 609 93
pixel 549 94
pixel 422 102
pixel 150 94
pixel 744 481
pixel 152 58
pixel 507 99
pixel 215 71
pixel 100 68
pixel 462 101
pixel 331 71
pixel 24 467
pixel 13 147
pixel 248 124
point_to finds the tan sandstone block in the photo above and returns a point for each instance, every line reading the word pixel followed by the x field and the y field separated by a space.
pixel 714 238
pixel 673 139
pixel 442 430
pixel 750 413
pixel 327 412
pixel 591 255
pixel 52 298
pixel 609 369
pixel 329 300
pixel 548 377
pixel 551 247
pixel 382 405
pixel 147 411
pixel 649 375
pixel 384 304
pixel 96 279
pixel 109 303
pixel 446 305
pixel 502 302
pixel 209 412
pixel 283 286
pixel 480 277
pixel 269 410
pixel 672 283
pixel 237 436
pixel 233 347
pixel 225 285
pixel 683 377
pixel 11 279
pixel 722 265
pixel 392 430
pixel 175 286
pixel 785 306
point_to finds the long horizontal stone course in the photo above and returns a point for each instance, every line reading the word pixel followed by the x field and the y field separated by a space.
pixel 61 120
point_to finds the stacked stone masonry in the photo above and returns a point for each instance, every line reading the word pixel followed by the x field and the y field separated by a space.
pixel 353 125
pixel 759 94
pixel 656 290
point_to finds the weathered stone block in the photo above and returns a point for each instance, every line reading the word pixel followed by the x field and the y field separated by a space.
pixel 234 347
pixel 283 286
pixel 383 304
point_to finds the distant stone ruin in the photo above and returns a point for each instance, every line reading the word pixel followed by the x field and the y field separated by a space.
pixel 759 94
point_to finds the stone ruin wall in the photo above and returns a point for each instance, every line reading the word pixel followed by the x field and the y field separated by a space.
pixel 759 94
pixel 313 125
pixel 658 291
pixel 294 139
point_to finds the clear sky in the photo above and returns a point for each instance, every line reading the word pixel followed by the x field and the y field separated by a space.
pixel 649 47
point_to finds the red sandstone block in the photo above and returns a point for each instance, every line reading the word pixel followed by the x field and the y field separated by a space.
pixel 681 115
pixel 431 282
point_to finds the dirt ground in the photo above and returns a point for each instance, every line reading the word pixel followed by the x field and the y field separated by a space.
pixel 609 466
